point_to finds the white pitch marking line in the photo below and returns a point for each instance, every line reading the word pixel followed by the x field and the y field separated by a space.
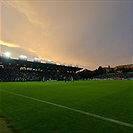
pixel 75 110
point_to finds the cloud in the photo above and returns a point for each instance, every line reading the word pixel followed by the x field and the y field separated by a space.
pixel 31 50
pixel 27 10
pixel 9 44
pixel 17 51
pixel 89 34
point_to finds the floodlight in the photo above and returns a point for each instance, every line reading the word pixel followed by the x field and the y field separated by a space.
pixel 22 57
pixel 7 54
pixel 43 61
pixel 57 63
pixel 62 63
pixel 49 61
pixel 36 59
pixel 70 65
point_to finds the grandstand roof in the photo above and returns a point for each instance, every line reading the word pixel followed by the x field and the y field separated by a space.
pixel 35 65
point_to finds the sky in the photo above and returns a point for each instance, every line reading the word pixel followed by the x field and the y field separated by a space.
pixel 84 33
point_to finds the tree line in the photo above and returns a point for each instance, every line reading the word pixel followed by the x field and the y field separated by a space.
pixel 100 71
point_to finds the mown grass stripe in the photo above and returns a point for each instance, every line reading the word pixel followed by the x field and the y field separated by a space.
pixel 75 110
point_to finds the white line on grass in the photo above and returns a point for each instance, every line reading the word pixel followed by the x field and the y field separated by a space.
pixel 75 110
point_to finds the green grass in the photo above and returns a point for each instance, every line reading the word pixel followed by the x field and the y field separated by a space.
pixel 112 99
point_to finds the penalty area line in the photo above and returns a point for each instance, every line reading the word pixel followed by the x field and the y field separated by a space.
pixel 74 110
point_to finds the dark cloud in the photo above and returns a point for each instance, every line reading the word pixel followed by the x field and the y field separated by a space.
pixel 85 33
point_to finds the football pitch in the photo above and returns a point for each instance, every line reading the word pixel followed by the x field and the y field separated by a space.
pixel 64 107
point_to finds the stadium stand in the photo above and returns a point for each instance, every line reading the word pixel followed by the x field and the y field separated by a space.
pixel 23 70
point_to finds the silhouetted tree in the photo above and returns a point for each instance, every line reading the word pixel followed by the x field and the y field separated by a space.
pixel 101 70
pixel 95 73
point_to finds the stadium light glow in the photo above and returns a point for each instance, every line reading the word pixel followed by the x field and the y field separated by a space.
pixel 76 66
pixel 7 54
pixel 62 63
pixel 36 59
pixel 70 65
pixel 23 57
pixel 43 61
pixel 57 63
pixel 48 60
